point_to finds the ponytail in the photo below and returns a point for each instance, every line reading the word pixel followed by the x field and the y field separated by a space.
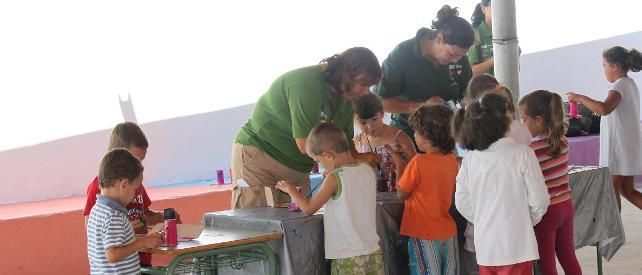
pixel 485 121
pixel 627 60
pixel 455 30
pixel 634 60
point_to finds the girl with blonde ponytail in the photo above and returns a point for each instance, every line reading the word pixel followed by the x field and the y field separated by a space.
pixel 543 114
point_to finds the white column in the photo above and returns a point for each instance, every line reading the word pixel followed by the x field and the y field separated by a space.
pixel 505 49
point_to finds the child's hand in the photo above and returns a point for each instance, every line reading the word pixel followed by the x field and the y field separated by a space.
pixel 137 224
pixel 152 240
pixel 178 218
pixel 396 156
pixel 573 97
pixel 286 186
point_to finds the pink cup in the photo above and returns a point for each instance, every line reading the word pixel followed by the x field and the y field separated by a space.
pixel 572 108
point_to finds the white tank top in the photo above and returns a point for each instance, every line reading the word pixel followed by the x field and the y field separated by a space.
pixel 349 217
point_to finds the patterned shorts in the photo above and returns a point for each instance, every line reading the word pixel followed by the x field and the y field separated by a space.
pixel 371 264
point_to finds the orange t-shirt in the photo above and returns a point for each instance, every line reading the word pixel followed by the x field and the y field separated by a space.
pixel 430 180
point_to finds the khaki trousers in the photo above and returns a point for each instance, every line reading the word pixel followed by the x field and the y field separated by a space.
pixel 258 170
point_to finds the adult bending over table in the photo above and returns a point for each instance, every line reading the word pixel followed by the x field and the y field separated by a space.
pixel 430 68
pixel 270 146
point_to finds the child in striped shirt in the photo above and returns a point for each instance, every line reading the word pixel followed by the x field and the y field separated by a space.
pixel 111 244
pixel 543 114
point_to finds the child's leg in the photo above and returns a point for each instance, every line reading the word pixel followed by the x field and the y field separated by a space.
pixel 422 258
pixel 617 185
pixel 371 264
pixel 437 257
pixel 564 245
pixel 629 192
pixel 449 257
pixel 545 232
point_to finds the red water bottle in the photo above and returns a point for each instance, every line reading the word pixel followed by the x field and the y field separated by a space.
pixel 572 108
pixel 171 232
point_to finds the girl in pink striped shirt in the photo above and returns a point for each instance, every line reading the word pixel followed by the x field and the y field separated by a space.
pixel 543 114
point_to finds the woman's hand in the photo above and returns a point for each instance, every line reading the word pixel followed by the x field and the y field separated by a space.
pixel 435 100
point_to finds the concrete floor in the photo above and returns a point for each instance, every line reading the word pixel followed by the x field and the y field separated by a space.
pixel 628 259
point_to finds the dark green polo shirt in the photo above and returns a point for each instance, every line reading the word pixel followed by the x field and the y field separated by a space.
pixel 296 102
pixel 483 48
pixel 409 76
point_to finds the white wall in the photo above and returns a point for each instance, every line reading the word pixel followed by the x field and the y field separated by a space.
pixel 181 149
pixel 192 147
pixel 576 68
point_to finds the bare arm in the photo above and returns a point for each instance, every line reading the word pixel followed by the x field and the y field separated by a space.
pixel 153 217
pixel 596 106
pixel 483 67
pixel 311 206
pixel 116 254
pixel 300 143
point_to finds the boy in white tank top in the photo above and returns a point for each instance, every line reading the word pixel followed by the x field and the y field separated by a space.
pixel 349 196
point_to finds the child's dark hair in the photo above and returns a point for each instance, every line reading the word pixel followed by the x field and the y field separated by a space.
pixel 481 84
pixel 455 30
pixel 482 122
pixel 433 124
pixel 127 134
pixel 478 15
pixel 327 136
pixel 368 106
pixel 627 60
pixel 118 164
pixel 549 107
pixel 345 68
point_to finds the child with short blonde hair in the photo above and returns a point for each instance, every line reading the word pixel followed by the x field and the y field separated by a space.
pixel 348 196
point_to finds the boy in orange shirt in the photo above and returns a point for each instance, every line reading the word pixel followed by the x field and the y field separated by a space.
pixel 427 185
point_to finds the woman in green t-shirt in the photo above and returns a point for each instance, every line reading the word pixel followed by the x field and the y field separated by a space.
pixel 481 54
pixel 271 145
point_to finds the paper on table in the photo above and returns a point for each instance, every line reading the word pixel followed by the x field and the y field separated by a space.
pixel 184 230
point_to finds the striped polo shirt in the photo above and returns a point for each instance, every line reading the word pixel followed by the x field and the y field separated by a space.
pixel 555 169
pixel 107 227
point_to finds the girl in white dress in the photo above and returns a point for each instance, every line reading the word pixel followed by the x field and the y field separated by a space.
pixel 620 140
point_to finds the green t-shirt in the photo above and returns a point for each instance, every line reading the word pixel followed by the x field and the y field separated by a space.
pixel 483 48
pixel 409 76
pixel 295 103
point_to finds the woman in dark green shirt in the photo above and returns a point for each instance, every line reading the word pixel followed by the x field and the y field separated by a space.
pixel 429 68
pixel 270 146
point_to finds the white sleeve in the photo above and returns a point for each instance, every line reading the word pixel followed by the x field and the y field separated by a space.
pixel 621 87
pixel 462 194
pixel 537 193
